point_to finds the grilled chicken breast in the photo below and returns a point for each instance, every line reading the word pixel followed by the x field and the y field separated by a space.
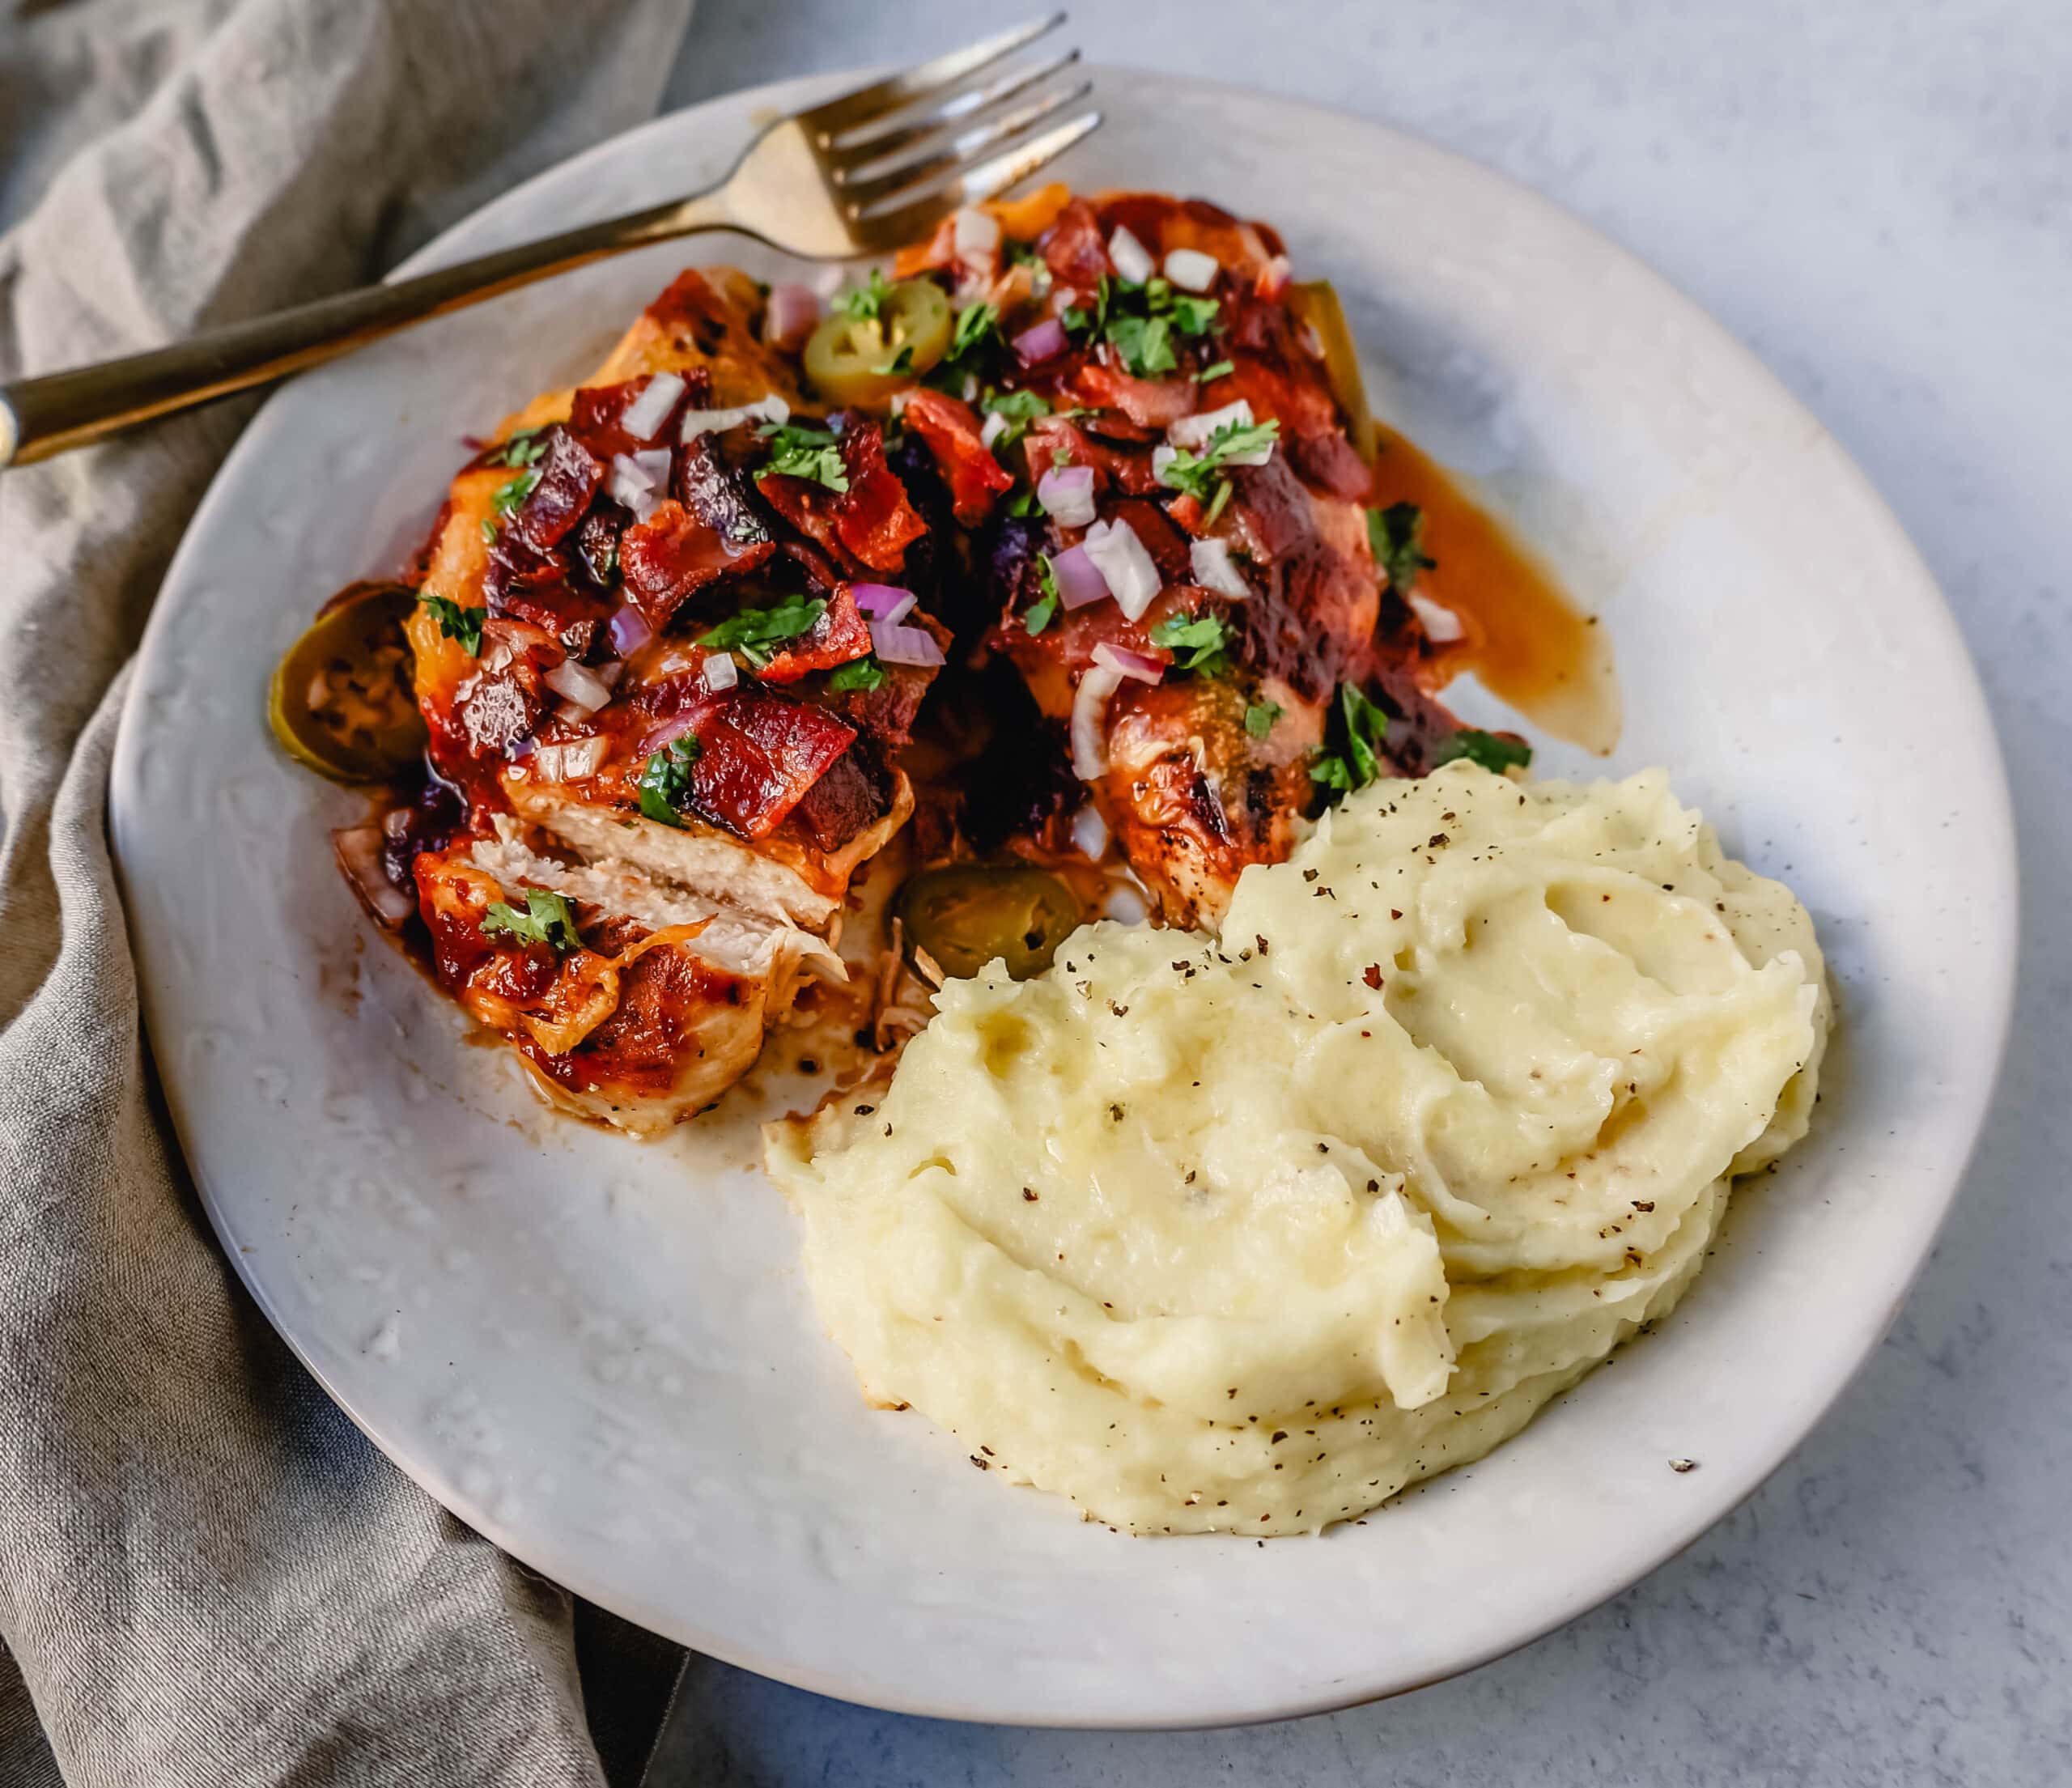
pixel 1202 410
pixel 565 648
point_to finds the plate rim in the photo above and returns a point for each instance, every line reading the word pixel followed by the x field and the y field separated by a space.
pixel 2000 939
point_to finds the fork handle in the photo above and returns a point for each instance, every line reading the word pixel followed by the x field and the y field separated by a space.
pixel 40 417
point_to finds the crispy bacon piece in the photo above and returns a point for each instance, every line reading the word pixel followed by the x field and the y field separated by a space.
pixel 672 555
pixel 569 475
pixel 951 429
pixel 870 525
pixel 1127 467
pixel 838 636
pixel 544 589
pixel 1074 248
pixel 872 517
pixel 759 753
pixel 841 803
pixel 596 414
pixel 1153 404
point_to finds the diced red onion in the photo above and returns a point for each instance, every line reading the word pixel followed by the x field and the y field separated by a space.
pixel 1191 269
pixel 1078 578
pixel 1141 665
pixel 1045 341
pixel 1090 833
pixel 1273 278
pixel 899 645
pixel 639 480
pixel 995 426
pixel 1442 627
pixel 628 630
pixel 648 411
pixel 358 850
pixel 720 672
pixel 790 316
pixel 1089 721
pixel 571 761
pixel 882 602
pixel 1066 493
pixel 1125 903
pixel 660 734
pixel 1132 259
pixel 1125 567
pixel 1192 432
pixel 1214 569
pixel 579 687
pixel 1162 456
pixel 609 672
pixel 974 233
pixel 771 409
pixel 395 822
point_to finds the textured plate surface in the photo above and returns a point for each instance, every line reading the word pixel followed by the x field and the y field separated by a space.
pixel 601 1354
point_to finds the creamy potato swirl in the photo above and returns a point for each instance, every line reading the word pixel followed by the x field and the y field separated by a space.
pixel 1248 1233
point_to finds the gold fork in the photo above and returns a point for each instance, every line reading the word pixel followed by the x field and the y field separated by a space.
pixel 859 175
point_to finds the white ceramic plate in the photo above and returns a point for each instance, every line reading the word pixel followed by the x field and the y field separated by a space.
pixel 602 1355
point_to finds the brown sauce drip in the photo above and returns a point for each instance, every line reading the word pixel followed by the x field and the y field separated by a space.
pixel 1528 643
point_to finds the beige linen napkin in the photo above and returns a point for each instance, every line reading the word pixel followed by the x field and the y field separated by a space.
pixel 206 1574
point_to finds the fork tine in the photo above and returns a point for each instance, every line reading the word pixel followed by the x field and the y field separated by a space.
pixel 953 152
pixel 887 135
pixel 905 215
pixel 847 110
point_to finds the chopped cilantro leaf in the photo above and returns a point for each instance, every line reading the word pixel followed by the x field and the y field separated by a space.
pixel 1491 750
pixel 1216 504
pixel 865 673
pixel 665 783
pixel 863 303
pixel 489 529
pixel 974 323
pixel 1397 535
pixel 806 453
pixel 1045 607
pixel 1260 716
pixel 1221 369
pixel 1025 504
pixel 1191 472
pixel 1329 769
pixel 1366 730
pixel 754 631
pixel 1140 321
pixel 456 622
pixel 1196 642
pixel 975 347
pixel 1021 408
pixel 522 447
pixel 1144 343
pixel 899 365
pixel 514 491
pixel 546 919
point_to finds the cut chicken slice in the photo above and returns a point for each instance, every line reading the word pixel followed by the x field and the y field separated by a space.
pixel 780 876
pixel 639 1011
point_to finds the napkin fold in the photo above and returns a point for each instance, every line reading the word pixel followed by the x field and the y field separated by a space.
pixel 207 1575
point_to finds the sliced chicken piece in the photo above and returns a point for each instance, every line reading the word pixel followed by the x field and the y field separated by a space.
pixel 785 877
pixel 655 1006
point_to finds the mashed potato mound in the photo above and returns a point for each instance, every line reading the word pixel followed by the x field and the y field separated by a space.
pixel 1248 1233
